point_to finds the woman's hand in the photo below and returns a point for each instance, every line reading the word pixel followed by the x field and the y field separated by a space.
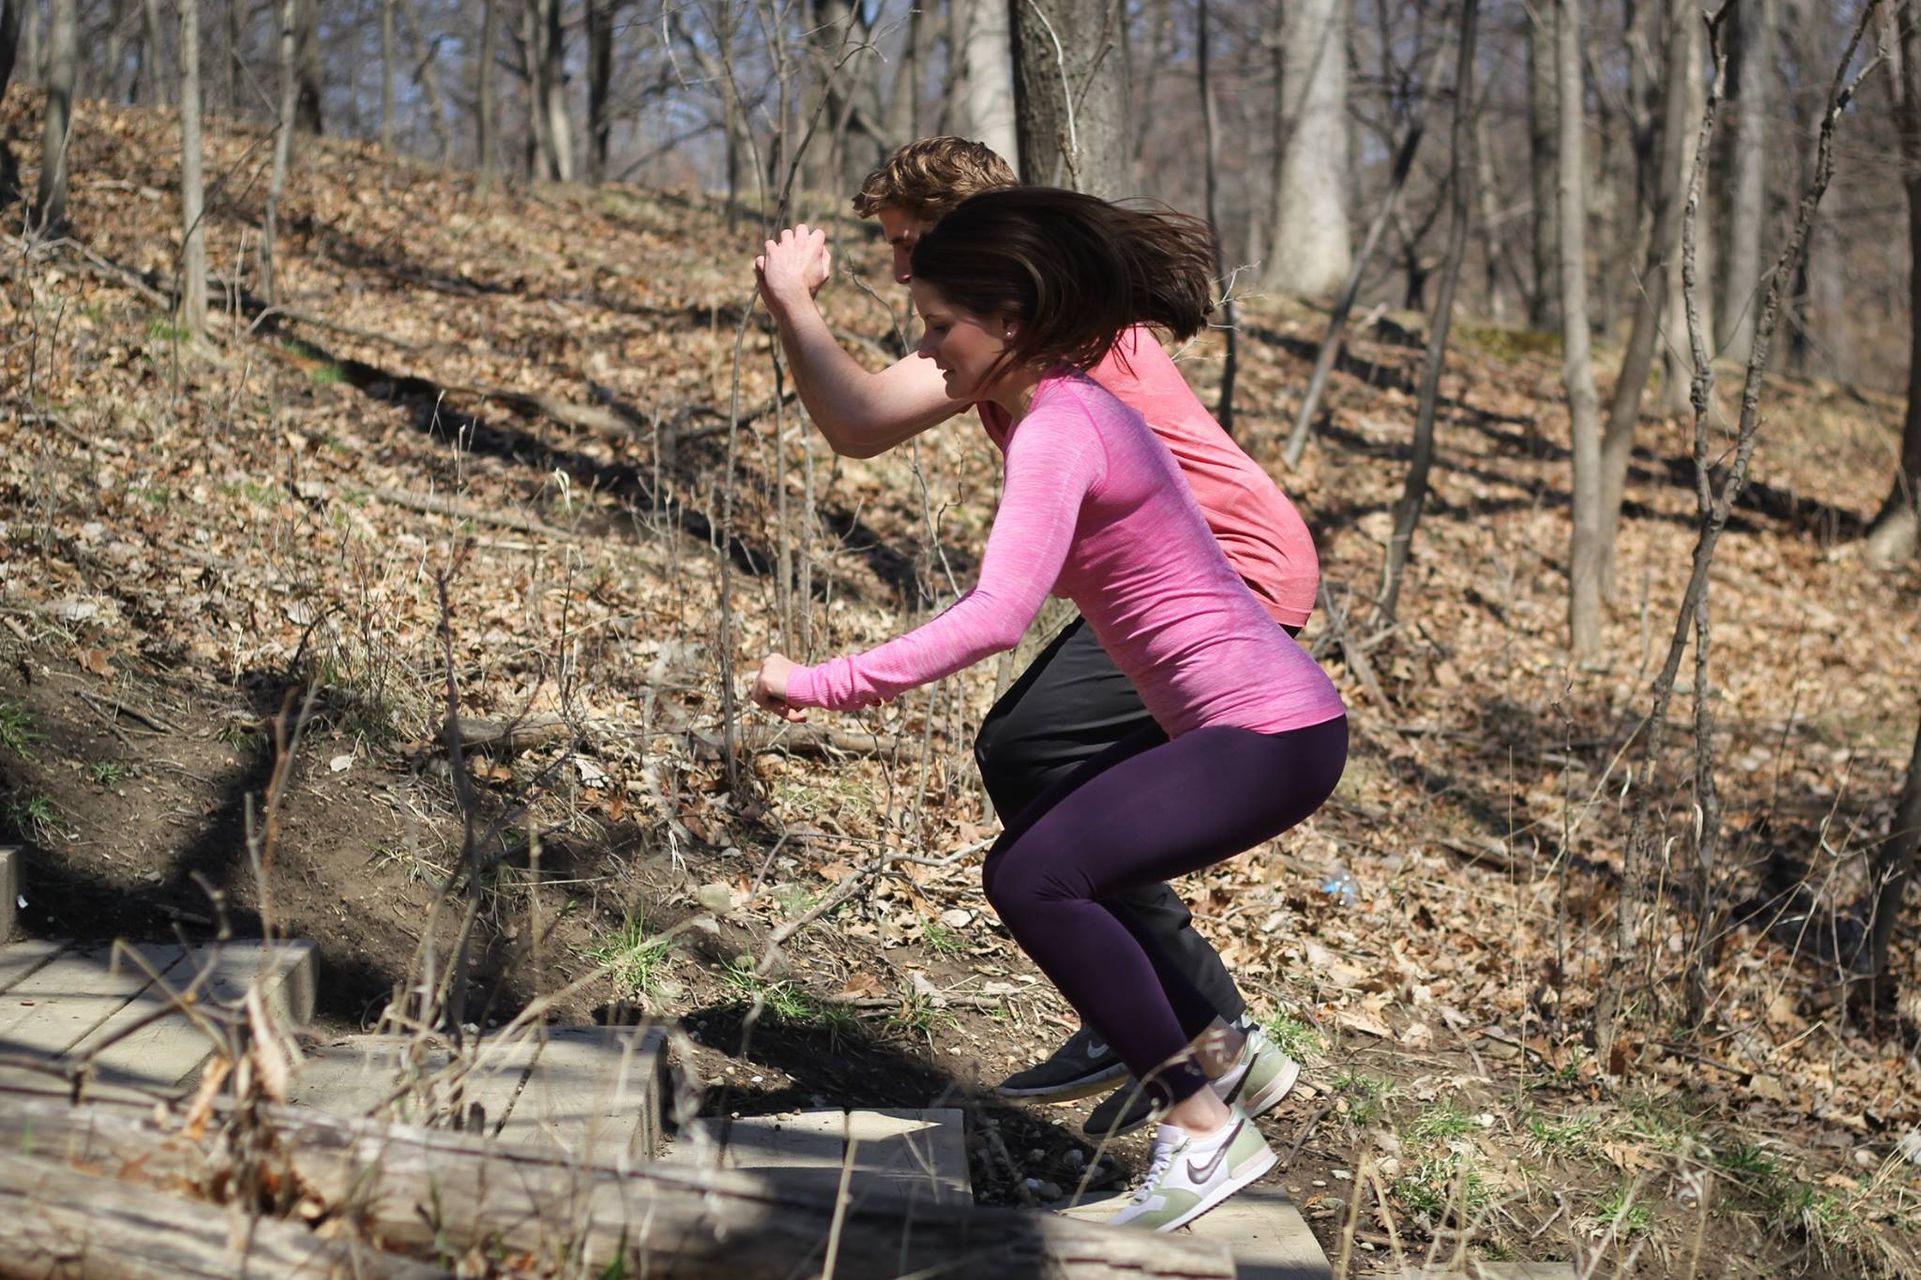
pixel 796 264
pixel 770 688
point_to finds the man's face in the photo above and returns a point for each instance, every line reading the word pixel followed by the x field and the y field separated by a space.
pixel 903 232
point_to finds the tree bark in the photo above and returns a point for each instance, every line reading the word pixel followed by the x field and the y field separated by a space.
pixel 1677 363
pixel 10 11
pixel 1577 368
pixel 553 51
pixel 1310 247
pixel 1070 95
pixel 308 115
pixel 439 1193
pixel 1895 860
pixel 600 77
pixel 50 205
pixel 284 124
pixel 387 76
pixel 1210 125
pixel 1669 181
pixel 193 255
pixel 152 53
pixel 903 99
pixel 484 94
pixel 1752 75
pixel 1407 512
pixel 1543 134
pixel 1895 533
pixel 987 49
pixel 234 66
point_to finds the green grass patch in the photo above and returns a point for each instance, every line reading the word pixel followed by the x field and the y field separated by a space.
pixel 635 958
pixel 1294 1036
pixel 327 375
pixel 1363 1097
pixel 1570 1136
pixel 106 773
pixel 167 331
pixel 1510 344
pixel 943 941
pixel 154 495
pixel 1442 1186
pixel 1441 1121
pixel 34 815
pixel 1623 1214
pixel 17 732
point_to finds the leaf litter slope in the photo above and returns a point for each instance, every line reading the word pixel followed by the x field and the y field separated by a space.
pixel 194 532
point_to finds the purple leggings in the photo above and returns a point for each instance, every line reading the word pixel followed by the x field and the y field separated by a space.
pixel 1144 811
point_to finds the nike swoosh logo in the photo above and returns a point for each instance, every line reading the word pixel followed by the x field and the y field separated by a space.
pixel 1096 1047
pixel 1201 1173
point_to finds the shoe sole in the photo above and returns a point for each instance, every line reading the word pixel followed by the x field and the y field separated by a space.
pixel 1244 1177
pixel 1259 1104
pixel 1068 1091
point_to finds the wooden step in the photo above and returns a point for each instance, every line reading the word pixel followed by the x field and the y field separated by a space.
pixel 144 1014
pixel 593 1092
pixel 1260 1226
pixel 915 1156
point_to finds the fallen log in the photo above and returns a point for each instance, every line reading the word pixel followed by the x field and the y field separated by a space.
pixel 799 739
pixel 58 1222
pixel 431 1193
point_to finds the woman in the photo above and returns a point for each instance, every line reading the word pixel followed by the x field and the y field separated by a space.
pixel 1020 290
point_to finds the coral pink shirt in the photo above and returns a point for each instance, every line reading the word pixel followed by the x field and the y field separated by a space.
pixel 1264 537
pixel 1093 509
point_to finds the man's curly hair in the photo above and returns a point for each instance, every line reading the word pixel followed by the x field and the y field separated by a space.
pixel 927 178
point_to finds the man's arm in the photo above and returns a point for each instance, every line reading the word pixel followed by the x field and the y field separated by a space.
pixel 860 413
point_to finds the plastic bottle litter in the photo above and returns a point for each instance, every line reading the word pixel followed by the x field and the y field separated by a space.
pixel 1341 887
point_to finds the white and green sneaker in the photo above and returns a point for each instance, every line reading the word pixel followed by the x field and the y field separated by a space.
pixel 1190 1175
pixel 1258 1080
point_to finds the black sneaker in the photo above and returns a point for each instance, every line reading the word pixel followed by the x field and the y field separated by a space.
pixel 1122 1111
pixel 1082 1066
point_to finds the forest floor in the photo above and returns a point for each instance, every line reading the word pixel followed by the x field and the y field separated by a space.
pixel 523 448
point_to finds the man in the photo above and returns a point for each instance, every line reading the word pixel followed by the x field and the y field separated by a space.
pixel 1072 703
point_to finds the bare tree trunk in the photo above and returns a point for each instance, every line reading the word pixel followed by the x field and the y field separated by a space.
pixel 1577 371
pixel 193 256
pixel 1543 133
pixel 1677 364
pixel 1895 532
pixel 1493 243
pixel 429 82
pixel 1751 82
pixel 1210 125
pixel 50 206
pixel 31 59
pixel 283 132
pixel 600 76
pixel 987 50
pixel 152 53
pixel 1407 512
pixel 1669 182
pixel 903 99
pixel 1310 245
pixel 484 94
pixel 308 116
pixel 1070 95
pixel 554 75
pixel 1895 860
pixel 232 69
pixel 1337 322
pixel 9 55
pixel 116 48
pixel 387 76
pixel 10 11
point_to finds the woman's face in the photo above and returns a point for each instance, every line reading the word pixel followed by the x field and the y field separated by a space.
pixel 965 347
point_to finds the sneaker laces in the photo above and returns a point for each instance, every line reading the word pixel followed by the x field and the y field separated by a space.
pixel 1157 1165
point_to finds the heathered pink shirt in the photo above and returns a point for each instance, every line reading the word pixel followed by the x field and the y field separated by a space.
pixel 1093 508
pixel 1264 537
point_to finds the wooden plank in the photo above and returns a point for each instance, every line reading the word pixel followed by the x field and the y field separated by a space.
pixel 18 959
pixel 495 1070
pixel 52 1009
pixel 11 859
pixel 357 1075
pixel 594 1092
pixel 1268 1236
pixel 168 1050
pixel 918 1155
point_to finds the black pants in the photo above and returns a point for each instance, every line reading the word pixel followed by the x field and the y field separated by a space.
pixel 1071 705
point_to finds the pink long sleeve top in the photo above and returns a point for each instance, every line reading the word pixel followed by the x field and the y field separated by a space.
pixel 1094 508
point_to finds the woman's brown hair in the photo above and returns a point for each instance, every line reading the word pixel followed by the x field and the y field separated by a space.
pixel 1073 270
